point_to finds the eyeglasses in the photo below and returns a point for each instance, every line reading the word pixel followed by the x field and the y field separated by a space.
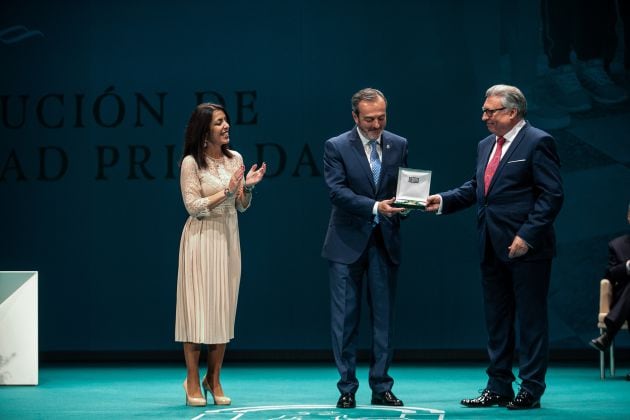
pixel 490 112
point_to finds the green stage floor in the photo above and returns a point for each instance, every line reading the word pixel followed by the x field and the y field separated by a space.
pixel 300 391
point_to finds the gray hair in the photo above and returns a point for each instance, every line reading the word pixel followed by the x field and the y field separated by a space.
pixel 367 94
pixel 511 97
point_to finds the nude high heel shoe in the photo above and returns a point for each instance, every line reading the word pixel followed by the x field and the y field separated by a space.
pixel 194 401
pixel 224 400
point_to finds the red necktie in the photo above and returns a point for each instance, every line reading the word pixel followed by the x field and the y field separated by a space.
pixel 493 164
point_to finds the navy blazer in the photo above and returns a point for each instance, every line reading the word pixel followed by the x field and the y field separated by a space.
pixel 352 192
pixel 524 197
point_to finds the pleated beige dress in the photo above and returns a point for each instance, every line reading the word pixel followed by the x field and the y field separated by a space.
pixel 209 270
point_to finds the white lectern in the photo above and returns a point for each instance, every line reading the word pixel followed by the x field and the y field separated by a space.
pixel 19 350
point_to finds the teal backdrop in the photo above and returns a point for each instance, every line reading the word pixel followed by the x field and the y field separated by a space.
pixel 94 97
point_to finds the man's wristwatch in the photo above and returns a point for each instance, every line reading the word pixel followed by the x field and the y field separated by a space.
pixel 228 193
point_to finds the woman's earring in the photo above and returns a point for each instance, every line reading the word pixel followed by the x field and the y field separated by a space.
pixel 205 144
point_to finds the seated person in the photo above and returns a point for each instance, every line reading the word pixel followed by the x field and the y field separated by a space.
pixel 618 272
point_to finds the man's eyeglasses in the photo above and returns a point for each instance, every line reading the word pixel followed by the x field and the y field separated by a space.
pixel 491 112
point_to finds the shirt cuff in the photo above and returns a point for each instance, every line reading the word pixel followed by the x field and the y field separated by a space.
pixel 441 204
pixel 375 209
pixel 628 267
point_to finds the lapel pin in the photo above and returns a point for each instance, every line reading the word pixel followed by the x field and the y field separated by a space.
pixel 387 146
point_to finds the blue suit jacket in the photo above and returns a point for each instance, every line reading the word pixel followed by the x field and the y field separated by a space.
pixel 524 197
pixel 353 194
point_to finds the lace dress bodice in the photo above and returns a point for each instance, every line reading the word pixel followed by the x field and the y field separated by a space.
pixel 198 184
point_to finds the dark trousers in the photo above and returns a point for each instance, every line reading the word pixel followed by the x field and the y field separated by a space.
pixel 584 26
pixel 624 13
pixel 375 269
pixel 620 310
pixel 516 291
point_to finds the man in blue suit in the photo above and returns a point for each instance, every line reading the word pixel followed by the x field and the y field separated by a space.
pixel 518 190
pixel 362 243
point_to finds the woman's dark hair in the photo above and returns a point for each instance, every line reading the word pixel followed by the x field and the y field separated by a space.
pixel 198 130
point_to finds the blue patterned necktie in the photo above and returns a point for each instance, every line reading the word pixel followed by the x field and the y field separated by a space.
pixel 375 164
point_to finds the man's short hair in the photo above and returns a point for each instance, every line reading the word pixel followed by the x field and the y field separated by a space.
pixel 367 94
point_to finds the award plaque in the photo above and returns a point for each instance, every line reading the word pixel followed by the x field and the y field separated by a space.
pixel 413 188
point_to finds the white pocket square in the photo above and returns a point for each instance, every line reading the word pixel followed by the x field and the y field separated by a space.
pixel 519 160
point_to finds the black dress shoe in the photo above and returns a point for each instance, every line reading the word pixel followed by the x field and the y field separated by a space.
pixel 487 399
pixel 346 401
pixel 602 342
pixel 386 398
pixel 524 401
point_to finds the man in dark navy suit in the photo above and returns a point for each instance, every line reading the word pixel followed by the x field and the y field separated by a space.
pixel 362 243
pixel 618 272
pixel 518 190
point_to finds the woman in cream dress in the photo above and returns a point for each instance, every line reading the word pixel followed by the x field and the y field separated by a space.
pixel 213 189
